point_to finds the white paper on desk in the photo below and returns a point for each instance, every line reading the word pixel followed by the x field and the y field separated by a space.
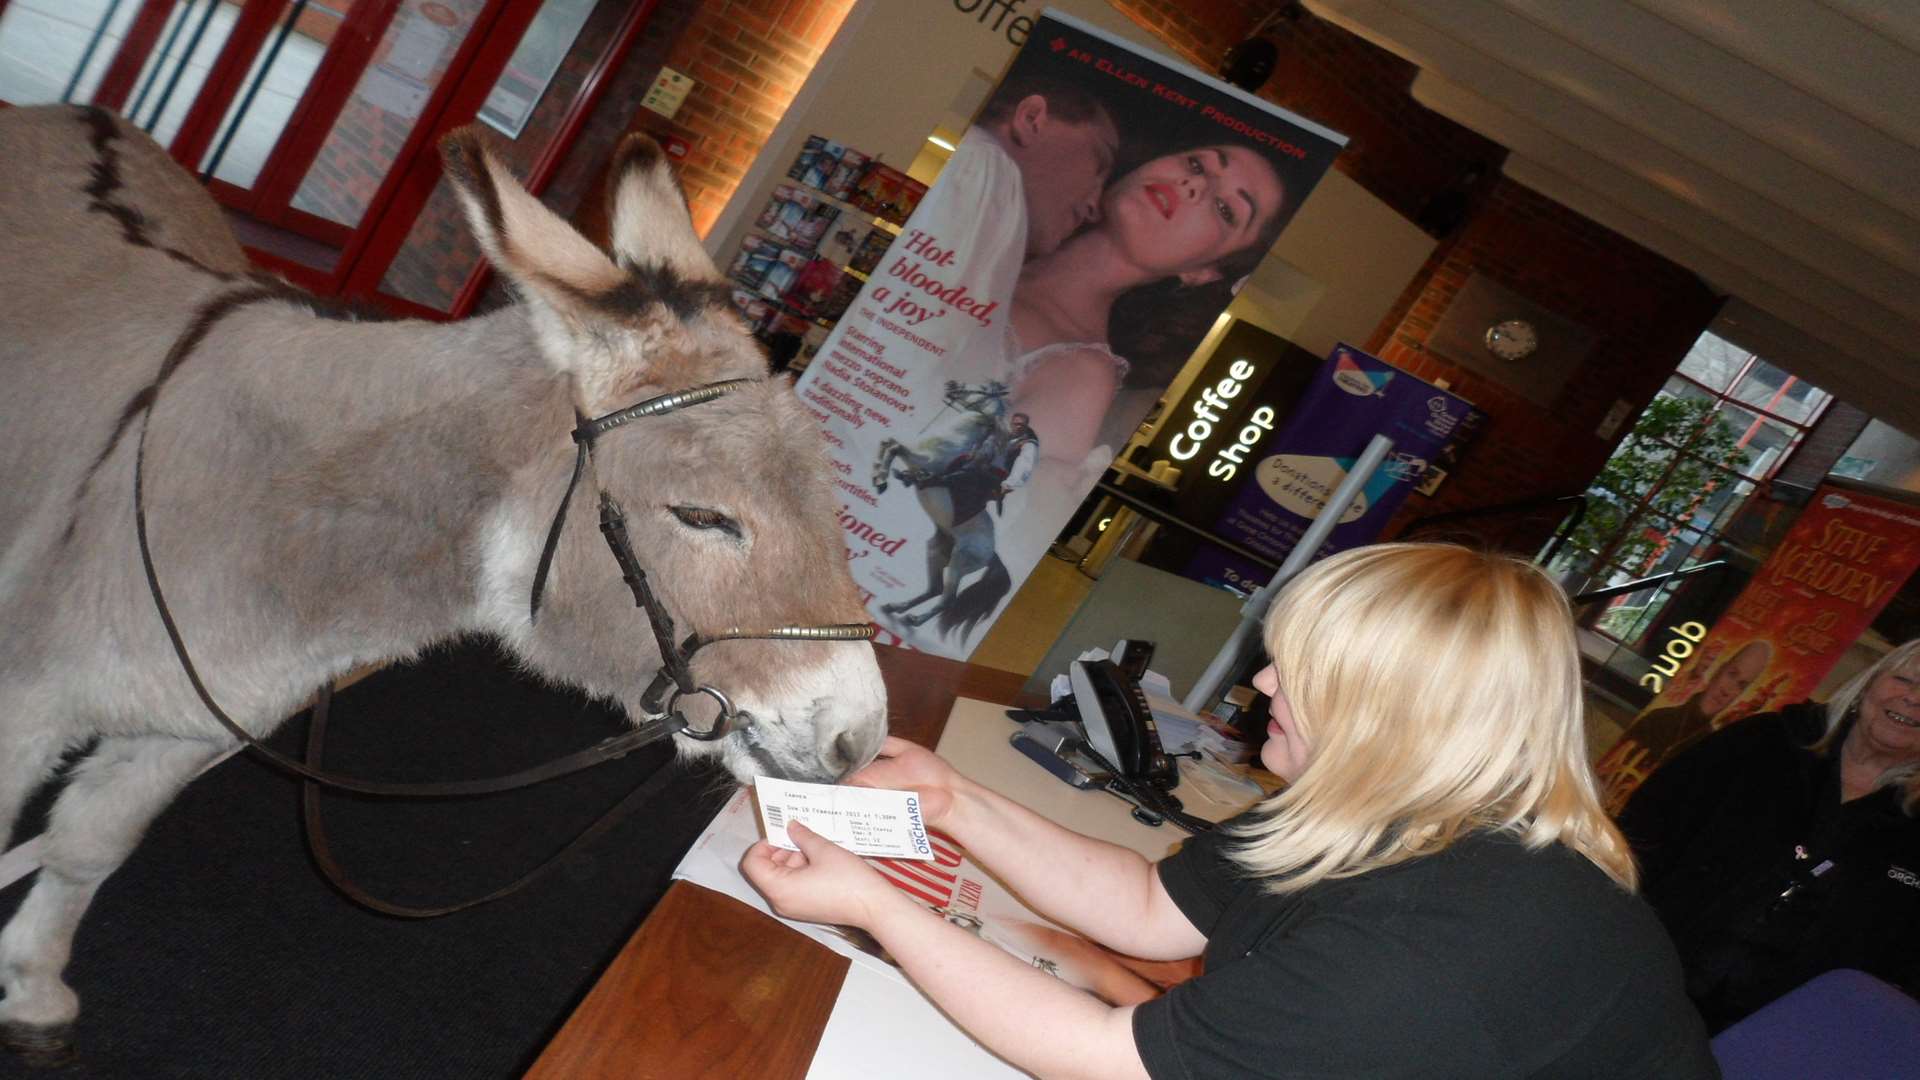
pixel 912 1030
pixel 714 862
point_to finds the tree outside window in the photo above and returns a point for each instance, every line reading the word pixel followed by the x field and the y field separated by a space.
pixel 1717 431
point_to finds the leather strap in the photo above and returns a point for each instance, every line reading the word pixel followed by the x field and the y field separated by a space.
pixel 314 776
pixel 604 750
pixel 336 874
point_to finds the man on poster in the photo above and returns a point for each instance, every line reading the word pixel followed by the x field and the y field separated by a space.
pixel 1080 339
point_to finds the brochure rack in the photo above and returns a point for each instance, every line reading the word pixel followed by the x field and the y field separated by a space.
pixel 815 242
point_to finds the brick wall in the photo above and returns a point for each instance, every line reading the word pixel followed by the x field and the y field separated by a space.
pixel 748 58
pixel 1647 312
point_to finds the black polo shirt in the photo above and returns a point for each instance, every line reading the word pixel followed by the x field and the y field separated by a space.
pixel 1764 877
pixel 1485 960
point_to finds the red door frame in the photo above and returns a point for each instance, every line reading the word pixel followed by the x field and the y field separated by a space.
pixel 455 100
pixel 578 112
pixel 347 56
pixel 229 72
pixel 142 35
pixel 367 250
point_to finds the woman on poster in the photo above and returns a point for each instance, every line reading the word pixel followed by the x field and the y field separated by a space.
pixel 1098 328
pixel 1122 304
pixel 1421 900
pixel 1787 844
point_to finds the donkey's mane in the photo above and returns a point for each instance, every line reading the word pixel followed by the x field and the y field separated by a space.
pixel 105 191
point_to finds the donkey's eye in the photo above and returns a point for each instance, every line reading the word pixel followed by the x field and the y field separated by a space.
pixel 699 517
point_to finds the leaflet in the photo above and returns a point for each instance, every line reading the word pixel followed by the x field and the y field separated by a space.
pixel 865 821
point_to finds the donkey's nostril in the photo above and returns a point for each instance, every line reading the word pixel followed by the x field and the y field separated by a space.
pixel 846 750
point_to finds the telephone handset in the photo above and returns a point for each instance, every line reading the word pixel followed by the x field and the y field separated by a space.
pixel 1114 724
pixel 1114 712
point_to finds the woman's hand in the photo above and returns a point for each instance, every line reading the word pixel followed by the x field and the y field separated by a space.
pixel 822 882
pixel 905 766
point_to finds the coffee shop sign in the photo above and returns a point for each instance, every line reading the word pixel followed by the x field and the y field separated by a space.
pixel 1208 408
pixel 999 16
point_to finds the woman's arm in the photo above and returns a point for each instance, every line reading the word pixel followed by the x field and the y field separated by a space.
pixel 1021 1013
pixel 1101 890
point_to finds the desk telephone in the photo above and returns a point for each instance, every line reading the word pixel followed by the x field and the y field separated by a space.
pixel 1103 736
pixel 1114 712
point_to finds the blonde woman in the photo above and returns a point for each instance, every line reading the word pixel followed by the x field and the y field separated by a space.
pixel 1788 844
pixel 1436 893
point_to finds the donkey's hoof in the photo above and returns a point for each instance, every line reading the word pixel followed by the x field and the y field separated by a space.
pixel 39 1047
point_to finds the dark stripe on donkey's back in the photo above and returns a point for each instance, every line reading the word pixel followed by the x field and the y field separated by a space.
pixel 106 181
pixel 203 322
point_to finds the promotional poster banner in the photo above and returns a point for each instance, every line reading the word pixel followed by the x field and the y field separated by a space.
pixel 1845 557
pixel 1293 472
pixel 1097 217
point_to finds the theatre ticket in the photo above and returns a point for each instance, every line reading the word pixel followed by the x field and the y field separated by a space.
pixel 865 821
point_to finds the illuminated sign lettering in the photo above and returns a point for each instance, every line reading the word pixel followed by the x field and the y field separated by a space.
pixel 1679 647
pixel 1209 408
pixel 1232 456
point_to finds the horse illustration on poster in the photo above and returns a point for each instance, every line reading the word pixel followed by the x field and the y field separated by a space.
pixel 981 456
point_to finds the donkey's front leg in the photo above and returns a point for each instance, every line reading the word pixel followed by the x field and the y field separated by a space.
pixel 27 758
pixel 97 820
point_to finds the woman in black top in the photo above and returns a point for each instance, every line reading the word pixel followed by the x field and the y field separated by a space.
pixel 1787 844
pixel 1436 893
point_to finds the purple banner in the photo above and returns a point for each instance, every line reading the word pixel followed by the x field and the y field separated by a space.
pixel 1354 397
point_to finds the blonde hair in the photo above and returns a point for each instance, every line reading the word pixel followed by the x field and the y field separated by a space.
pixel 1438 692
pixel 1842 705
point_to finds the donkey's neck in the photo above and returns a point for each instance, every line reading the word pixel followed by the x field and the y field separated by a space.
pixel 431 436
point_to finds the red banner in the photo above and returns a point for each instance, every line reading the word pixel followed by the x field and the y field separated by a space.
pixel 1844 558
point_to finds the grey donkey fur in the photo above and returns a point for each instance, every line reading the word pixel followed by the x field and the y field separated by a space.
pixel 324 493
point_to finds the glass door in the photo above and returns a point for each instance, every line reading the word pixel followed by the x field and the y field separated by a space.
pixel 315 123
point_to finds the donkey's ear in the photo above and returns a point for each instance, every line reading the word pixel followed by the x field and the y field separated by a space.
pixel 649 223
pixel 529 243
pixel 564 278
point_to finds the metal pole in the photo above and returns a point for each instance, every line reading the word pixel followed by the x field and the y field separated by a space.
pixel 1207 688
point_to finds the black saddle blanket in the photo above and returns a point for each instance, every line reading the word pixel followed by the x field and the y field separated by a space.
pixel 219 951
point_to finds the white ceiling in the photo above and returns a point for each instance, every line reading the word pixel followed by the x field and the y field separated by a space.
pixel 1771 146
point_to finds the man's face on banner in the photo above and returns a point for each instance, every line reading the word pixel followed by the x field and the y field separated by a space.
pixel 1182 213
pixel 1063 167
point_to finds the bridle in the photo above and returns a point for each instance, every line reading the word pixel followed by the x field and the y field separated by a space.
pixel 676 662
pixel 662 718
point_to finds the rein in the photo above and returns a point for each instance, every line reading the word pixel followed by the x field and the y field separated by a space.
pixel 662 719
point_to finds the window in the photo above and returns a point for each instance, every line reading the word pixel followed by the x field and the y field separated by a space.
pixel 1721 427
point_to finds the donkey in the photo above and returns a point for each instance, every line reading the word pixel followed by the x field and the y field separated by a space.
pixel 322 493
